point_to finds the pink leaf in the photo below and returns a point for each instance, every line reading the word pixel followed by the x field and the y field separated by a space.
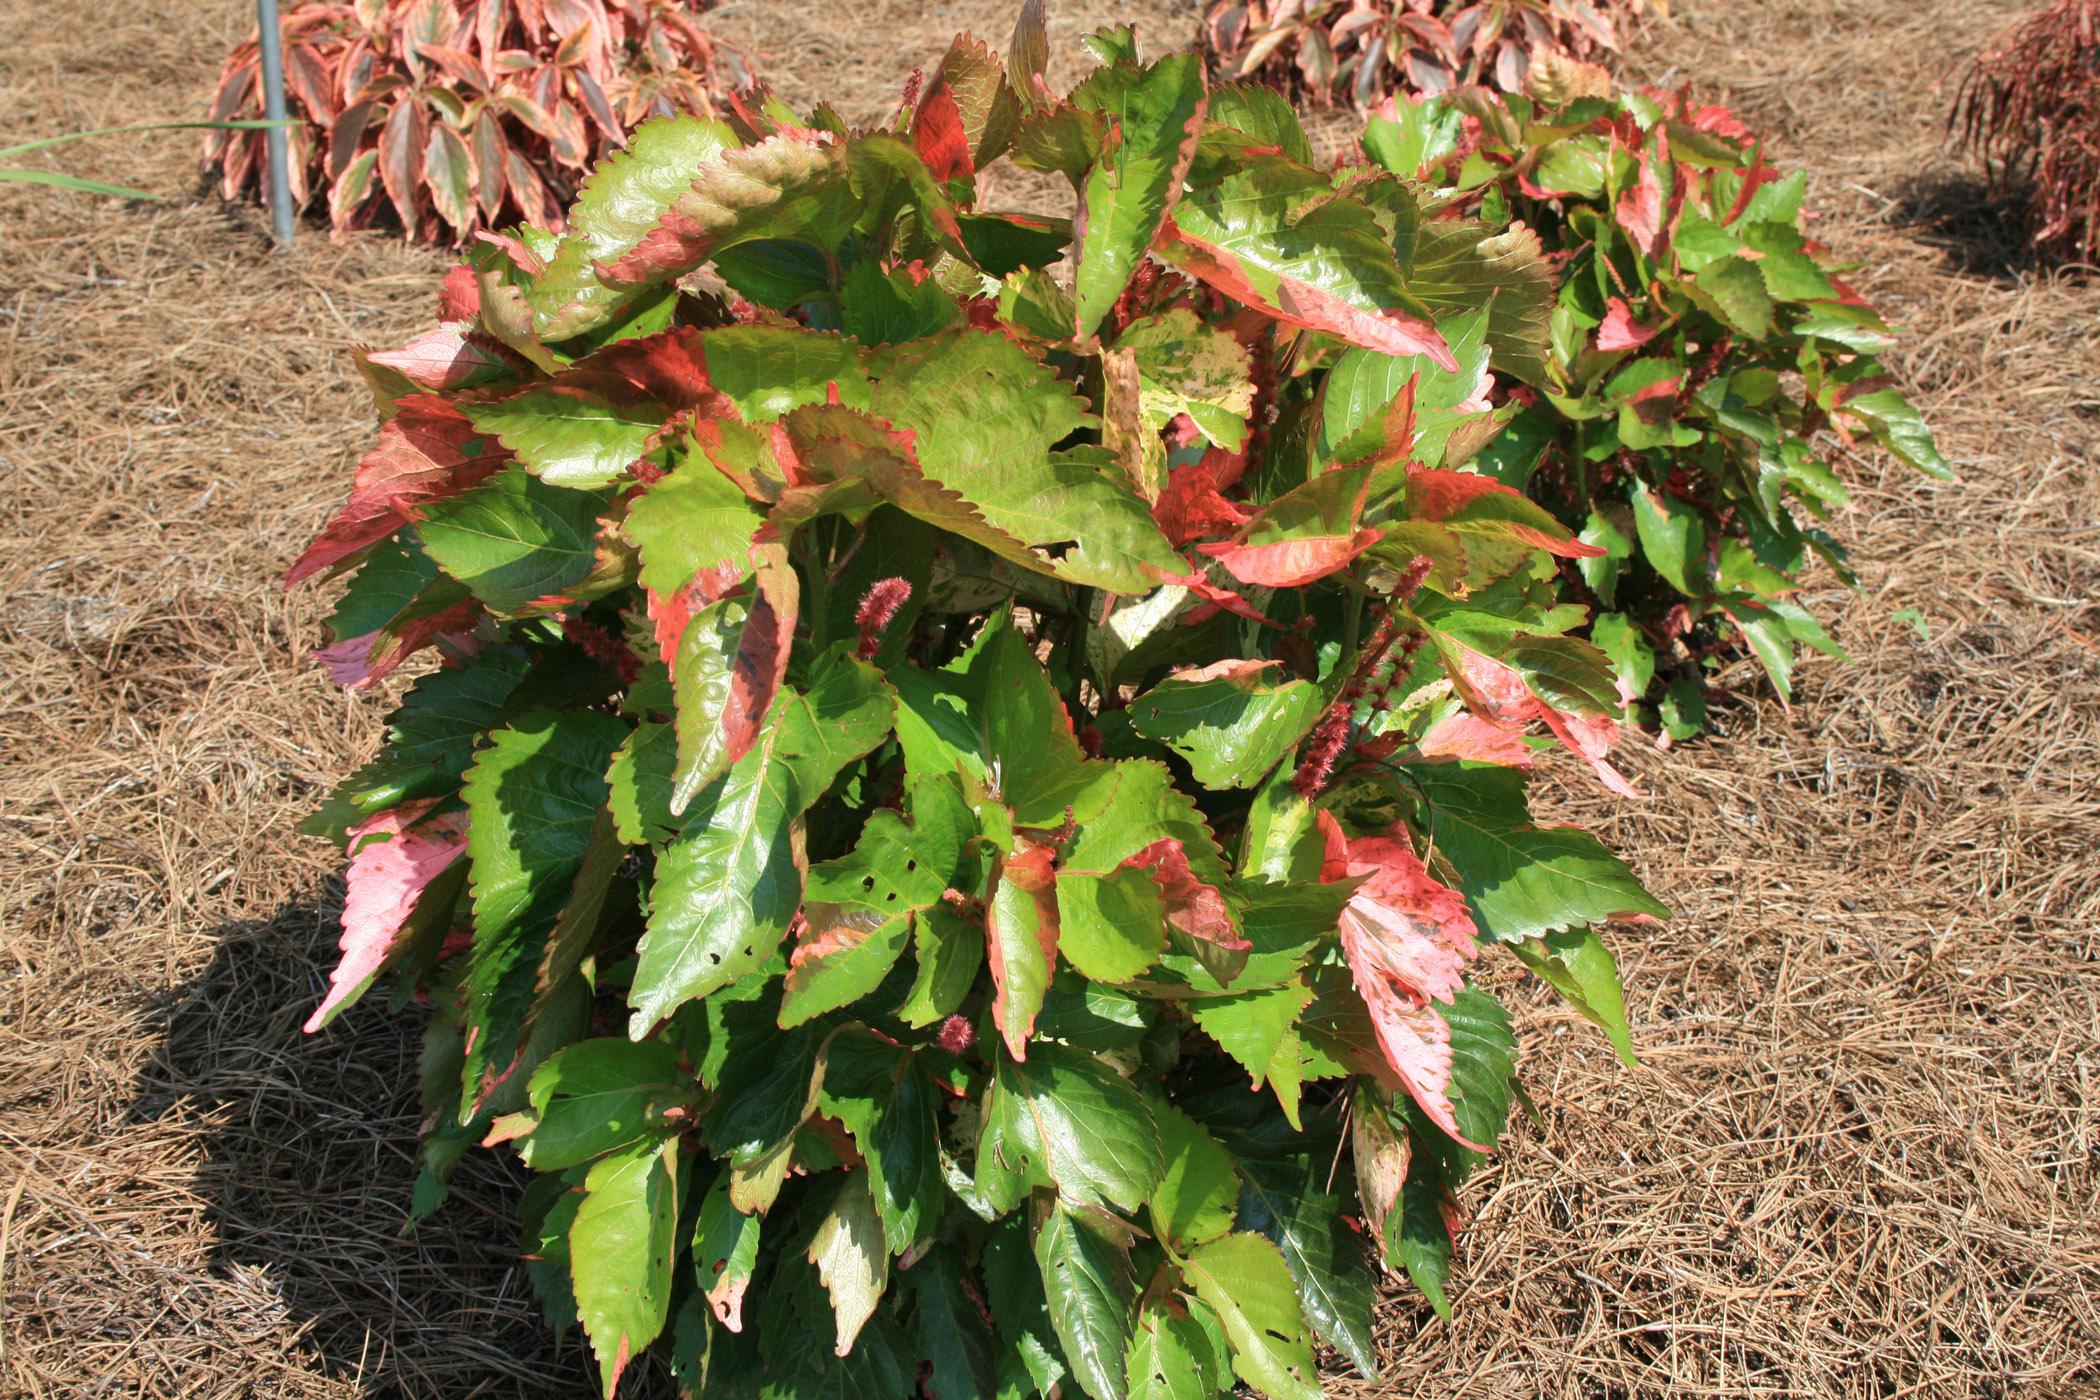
pixel 358 662
pixel 1292 563
pixel 448 356
pixel 1191 506
pixel 1466 735
pixel 1620 331
pixel 1192 906
pixel 1639 211
pixel 1301 303
pixel 938 132
pixel 1500 694
pixel 1468 498
pixel 1408 940
pixel 460 299
pixel 421 456
pixel 392 860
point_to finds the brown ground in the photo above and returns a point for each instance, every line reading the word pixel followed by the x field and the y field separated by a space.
pixel 1860 1159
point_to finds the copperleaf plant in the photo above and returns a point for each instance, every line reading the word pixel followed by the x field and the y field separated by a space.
pixel 1707 366
pixel 1366 49
pixel 450 116
pixel 975 755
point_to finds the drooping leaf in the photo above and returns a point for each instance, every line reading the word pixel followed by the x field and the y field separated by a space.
pixel 397 861
pixel 727 888
pixel 1066 1121
pixel 514 540
pixel 1154 120
pixel 1090 1288
pixel 1288 1201
pixel 1576 963
pixel 725 1253
pixel 1521 880
pixel 532 797
pixel 884 1096
pixel 1243 1279
pixel 622 1249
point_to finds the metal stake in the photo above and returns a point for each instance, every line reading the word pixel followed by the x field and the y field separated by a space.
pixel 275 139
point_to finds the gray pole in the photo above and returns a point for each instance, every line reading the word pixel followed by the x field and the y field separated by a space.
pixel 273 107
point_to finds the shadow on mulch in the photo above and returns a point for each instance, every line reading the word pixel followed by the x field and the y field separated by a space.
pixel 1980 229
pixel 307 1179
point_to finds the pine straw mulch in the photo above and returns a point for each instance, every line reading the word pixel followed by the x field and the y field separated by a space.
pixel 1859 1159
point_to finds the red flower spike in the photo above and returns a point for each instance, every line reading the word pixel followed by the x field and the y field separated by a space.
pixel 878 608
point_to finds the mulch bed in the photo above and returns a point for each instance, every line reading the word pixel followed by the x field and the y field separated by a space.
pixel 1859 1158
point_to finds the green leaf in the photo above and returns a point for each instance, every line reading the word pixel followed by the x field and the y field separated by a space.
pixel 622 1250
pixel 727 887
pixel 1673 538
pixel 1000 721
pixel 1243 1279
pixel 1364 383
pixel 640 783
pixel 879 307
pixel 1632 659
pixel 1197 1195
pixel 533 797
pixel 598 1095
pixel 1176 1355
pixel 1111 927
pixel 987 419
pixel 582 430
pixel 770 371
pixel 1521 880
pixel 1088 1284
pixel 954 1336
pixel 692 520
pixel 1014 1287
pixel 618 204
pixel 1417 1233
pixel 1067 1121
pixel 849 1256
pixel 1287 1200
pixel 860 909
pixel 514 539
pixel 1483 1058
pixel 1461 266
pixel 393 576
pixel 1155 119
pixel 1277 235
pixel 1259 1030
pixel 767 1085
pixel 950 951
pixel 1233 722
pixel 886 1099
pixel 725 1253
pixel 1576 963
pixel 1898 426
pixel 1734 290
pixel 431 738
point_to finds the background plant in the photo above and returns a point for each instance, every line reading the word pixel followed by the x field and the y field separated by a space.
pixel 1367 48
pixel 457 115
pixel 953 797
pixel 1703 358
pixel 2029 109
